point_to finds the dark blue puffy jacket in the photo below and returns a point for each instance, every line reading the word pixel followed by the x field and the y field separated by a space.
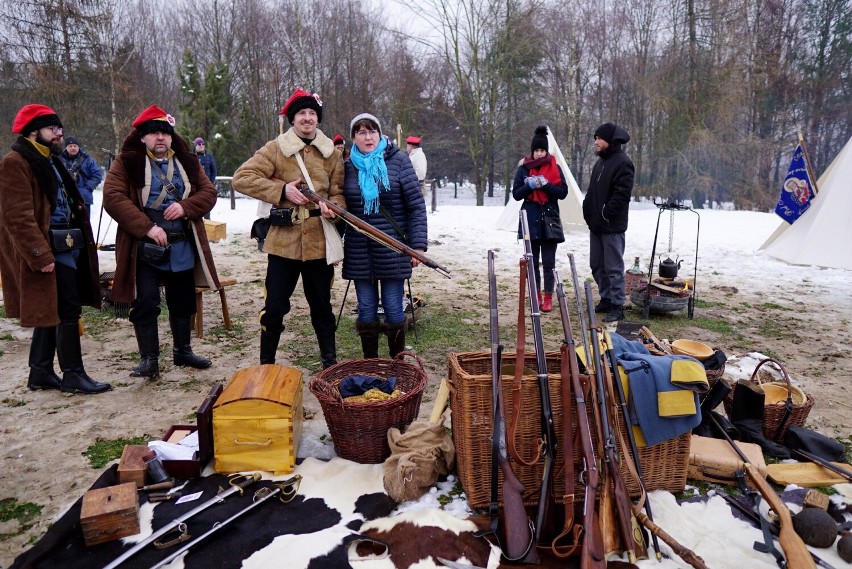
pixel 208 164
pixel 85 172
pixel 363 257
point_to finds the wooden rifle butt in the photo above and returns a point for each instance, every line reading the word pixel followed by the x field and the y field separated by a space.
pixel 684 553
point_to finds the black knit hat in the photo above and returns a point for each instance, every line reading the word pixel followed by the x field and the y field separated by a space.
pixel 71 140
pixel 539 140
pixel 612 133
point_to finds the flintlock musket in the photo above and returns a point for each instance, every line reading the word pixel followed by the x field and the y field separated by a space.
pixel 373 232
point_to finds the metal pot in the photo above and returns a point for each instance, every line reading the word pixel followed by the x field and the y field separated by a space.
pixel 668 268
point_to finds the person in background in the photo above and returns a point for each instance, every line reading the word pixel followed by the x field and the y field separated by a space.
pixel 340 144
pixel 46 284
pixel 208 163
pixel 605 209
pixel 418 159
pixel 158 194
pixel 83 169
pixel 381 188
pixel 273 175
pixel 540 184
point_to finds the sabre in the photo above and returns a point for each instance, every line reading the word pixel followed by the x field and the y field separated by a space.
pixel 238 483
pixel 285 491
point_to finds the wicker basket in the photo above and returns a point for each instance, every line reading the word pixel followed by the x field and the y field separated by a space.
pixel 775 416
pixel 664 465
pixel 359 430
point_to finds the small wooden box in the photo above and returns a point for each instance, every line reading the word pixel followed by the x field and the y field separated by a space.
pixel 192 468
pixel 257 420
pixel 110 513
pixel 131 467
pixel 715 460
pixel 216 230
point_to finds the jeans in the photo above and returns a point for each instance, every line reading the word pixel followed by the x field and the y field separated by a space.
pixel 368 300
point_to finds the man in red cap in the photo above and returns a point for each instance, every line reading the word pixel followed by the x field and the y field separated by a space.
pixel 48 257
pixel 158 194
pixel 273 175
pixel 340 144
pixel 418 159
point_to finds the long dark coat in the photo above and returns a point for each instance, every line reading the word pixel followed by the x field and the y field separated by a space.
pixel 27 188
pixel 363 257
pixel 126 190
pixel 607 201
pixel 535 210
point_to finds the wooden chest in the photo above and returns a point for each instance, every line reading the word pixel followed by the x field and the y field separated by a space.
pixel 257 420
pixel 110 513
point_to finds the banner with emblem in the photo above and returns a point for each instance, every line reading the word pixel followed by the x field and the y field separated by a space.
pixel 797 191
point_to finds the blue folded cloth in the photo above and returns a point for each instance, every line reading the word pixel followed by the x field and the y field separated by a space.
pixel 361 384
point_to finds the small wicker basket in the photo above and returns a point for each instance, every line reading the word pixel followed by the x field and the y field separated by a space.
pixel 359 430
pixel 776 417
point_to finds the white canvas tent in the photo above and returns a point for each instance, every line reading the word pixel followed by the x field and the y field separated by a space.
pixel 570 209
pixel 821 236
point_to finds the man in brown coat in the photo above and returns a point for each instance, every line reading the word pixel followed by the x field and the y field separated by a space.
pixel 158 194
pixel 273 175
pixel 46 281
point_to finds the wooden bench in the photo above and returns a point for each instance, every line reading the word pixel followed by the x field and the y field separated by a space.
pixel 199 306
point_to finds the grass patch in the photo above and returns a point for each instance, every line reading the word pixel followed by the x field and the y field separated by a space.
pixel 771 306
pixel 104 451
pixel 7 337
pixel 24 512
pixel 14 402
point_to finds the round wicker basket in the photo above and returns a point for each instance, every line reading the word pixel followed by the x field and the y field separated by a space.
pixel 359 429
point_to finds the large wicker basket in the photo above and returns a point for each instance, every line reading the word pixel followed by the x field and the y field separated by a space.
pixel 776 419
pixel 359 430
pixel 664 465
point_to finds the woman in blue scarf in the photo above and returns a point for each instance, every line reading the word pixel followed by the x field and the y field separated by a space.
pixel 381 187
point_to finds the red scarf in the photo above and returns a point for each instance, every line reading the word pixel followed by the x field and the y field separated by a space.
pixel 544 166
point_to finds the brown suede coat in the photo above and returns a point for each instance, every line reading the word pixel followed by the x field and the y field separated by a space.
pixel 126 190
pixel 276 159
pixel 28 293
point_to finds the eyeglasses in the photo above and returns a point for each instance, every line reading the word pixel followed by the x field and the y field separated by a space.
pixel 54 129
pixel 366 133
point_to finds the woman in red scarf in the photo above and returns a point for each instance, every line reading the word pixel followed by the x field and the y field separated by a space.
pixel 540 183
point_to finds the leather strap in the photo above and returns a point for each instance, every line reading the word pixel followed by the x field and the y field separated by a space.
pixel 568 439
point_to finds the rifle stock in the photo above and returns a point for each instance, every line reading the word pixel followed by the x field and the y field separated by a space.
pixel 518 529
pixel 374 233
pixel 592 555
pixel 623 505
pixel 548 432
pixel 794 548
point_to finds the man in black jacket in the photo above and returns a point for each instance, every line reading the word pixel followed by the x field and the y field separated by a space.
pixel 605 210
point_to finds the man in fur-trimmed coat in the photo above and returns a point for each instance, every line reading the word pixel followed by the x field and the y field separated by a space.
pixel 158 194
pixel 46 282
pixel 273 175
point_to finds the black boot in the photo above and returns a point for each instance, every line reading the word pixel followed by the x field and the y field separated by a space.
pixel 396 337
pixel 148 338
pixel 328 348
pixel 74 377
pixel 369 334
pixel 268 345
pixel 42 350
pixel 182 351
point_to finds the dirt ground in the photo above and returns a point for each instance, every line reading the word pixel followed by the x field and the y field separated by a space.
pixel 45 433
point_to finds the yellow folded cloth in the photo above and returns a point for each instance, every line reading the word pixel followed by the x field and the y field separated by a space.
pixel 689 374
pixel 675 403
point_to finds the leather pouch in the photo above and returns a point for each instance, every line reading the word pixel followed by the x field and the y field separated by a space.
pixel 153 253
pixel 281 216
pixel 62 240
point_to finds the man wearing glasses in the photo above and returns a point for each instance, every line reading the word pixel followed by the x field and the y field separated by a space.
pixel 274 175
pixel 48 258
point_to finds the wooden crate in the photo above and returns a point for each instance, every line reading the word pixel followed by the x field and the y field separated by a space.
pixel 257 420
pixel 192 468
pixel 216 230
pixel 131 467
pixel 110 513
pixel 715 460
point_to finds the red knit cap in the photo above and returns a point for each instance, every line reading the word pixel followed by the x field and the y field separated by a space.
pixel 338 139
pixel 154 119
pixel 413 140
pixel 301 99
pixel 33 117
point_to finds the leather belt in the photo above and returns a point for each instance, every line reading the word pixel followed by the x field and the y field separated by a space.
pixel 176 237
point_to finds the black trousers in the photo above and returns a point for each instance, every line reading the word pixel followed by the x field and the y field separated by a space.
pixel 69 306
pixel 180 293
pixel 546 251
pixel 281 278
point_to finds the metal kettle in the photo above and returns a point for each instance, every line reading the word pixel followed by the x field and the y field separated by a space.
pixel 669 268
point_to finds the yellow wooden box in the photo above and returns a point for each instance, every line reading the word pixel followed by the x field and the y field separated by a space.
pixel 216 230
pixel 257 420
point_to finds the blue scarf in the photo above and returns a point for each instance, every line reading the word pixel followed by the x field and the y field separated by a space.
pixel 372 171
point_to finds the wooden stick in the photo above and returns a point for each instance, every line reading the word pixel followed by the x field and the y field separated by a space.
pixel 441 400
